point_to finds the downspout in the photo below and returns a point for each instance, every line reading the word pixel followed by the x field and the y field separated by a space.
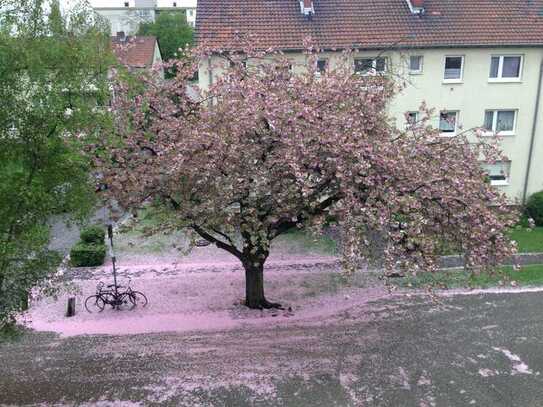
pixel 532 139
pixel 209 72
pixel 209 77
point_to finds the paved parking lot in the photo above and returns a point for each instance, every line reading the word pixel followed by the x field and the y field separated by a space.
pixel 482 350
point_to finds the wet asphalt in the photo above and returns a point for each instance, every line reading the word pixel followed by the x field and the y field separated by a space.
pixel 471 350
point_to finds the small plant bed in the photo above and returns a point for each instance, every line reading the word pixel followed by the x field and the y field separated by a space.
pixel 90 251
pixel 531 275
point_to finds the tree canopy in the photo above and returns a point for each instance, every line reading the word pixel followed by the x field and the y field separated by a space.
pixel 265 150
pixel 53 85
pixel 173 32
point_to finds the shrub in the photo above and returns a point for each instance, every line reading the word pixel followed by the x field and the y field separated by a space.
pixel 534 208
pixel 87 255
pixel 93 234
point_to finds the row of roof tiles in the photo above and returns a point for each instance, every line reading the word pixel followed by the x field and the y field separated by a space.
pixel 371 24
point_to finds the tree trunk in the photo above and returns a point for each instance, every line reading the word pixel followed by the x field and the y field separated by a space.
pixel 254 286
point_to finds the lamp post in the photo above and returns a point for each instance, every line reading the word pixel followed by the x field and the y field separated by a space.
pixel 112 254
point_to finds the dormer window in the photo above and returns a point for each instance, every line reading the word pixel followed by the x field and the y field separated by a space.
pixel 306 8
pixel 416 6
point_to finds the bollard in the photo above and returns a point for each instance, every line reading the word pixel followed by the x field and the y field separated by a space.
pixel 70 311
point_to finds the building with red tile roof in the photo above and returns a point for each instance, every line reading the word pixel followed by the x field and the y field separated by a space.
pixel 137 52
pixel 478 63
pixel 372 24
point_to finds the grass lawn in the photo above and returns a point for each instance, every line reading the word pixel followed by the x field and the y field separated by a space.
pixel 301 240
pixel 529 240
pixel 134 238
pixel 531 275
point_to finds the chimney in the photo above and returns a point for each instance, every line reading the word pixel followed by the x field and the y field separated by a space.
pixel 307 9
pixel 416 6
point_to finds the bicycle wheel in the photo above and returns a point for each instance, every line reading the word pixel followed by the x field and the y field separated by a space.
pixel 138 298
pixel 95 303
pixel 125 302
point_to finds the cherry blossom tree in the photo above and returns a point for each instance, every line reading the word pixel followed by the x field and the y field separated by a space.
pixel 266 150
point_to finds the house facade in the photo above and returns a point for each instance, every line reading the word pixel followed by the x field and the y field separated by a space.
pixel 127 15
pixel 478 63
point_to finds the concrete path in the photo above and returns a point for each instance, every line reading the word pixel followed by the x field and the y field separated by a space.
pixel 480 350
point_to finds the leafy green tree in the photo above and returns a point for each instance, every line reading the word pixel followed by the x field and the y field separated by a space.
pixel 53 77
pixel 172 31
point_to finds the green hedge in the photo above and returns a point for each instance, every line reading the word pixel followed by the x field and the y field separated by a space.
pixel 87 255
pixel 93 234
pixel 534 208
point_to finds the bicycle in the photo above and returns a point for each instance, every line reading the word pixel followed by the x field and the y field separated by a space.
pixel 117 299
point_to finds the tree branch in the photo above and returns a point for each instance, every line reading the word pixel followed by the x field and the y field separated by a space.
pixel 283 226
pixel 221 245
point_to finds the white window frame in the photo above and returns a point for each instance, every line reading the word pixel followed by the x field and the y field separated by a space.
pixel 326 62
pixel 455 80
pixel 500 68
pixel 409 125
pixel 416 71
pixel 495 123
pixel 373 71
pixel 503 182
pixel 453 134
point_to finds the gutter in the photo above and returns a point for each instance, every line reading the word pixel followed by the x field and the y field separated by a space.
pixel 532 138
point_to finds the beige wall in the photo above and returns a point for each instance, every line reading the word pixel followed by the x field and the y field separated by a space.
pixel 471 97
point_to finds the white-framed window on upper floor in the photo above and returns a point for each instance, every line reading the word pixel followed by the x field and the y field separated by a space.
pixel 454 69
pixel 370 66
pixel 500 122
pixel 411 119
pixel 448 123
pixel 415 64
pixel 190 13
pixel 498 173
pixel 505 68
pixel 322 66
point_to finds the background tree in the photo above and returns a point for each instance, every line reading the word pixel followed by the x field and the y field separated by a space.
pixel 173 32
pixel 264 151
pixel 53 73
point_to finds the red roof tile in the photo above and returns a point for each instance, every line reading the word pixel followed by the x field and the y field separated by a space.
pixel 136 51
pixel 371 24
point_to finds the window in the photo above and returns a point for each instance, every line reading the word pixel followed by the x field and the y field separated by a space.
pixel 502 122
pixel 415 64
pixel 370 66
pixel 454 67
pixel 411 119
pixel 322 64
pixel 498 173
pixel 190 13
pixel 505 68
pixel 144 14
pixel 448 123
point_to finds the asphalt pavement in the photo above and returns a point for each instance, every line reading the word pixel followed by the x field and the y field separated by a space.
pixel 466 350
